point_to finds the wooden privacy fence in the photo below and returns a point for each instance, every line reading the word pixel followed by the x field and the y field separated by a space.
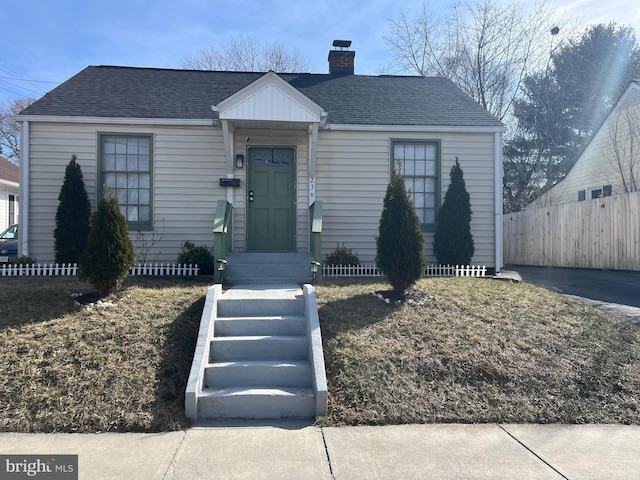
pixel 602 233
pixel 50 270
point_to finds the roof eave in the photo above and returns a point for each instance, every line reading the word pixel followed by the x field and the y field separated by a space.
pixel 418 128
pixel 9 183
pixel 116 120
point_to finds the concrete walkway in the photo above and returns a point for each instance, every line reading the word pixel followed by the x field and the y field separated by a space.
pixel 298 451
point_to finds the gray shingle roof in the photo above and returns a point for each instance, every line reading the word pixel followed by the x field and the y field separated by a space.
pixel 127 92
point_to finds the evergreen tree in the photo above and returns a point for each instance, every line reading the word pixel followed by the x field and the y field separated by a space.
pixel 72 217
pixel 452 241
pixel 400 243
pixel 561 108
pixel 109 255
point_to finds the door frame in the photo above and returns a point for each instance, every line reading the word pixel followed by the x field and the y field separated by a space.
pixel 294 194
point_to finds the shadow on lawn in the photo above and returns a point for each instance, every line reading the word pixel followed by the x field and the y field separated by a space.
pixel 173 371
pixel 353 313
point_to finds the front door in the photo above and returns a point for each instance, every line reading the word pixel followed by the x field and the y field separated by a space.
pixel 271 199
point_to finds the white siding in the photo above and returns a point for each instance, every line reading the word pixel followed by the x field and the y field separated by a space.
pixel 352 177
pixel 187 163
pixel 353 174
pixel 5 191
pixel 598 165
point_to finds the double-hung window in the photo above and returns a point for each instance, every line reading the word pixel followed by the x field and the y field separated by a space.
pixel 126 170
pixel 419 164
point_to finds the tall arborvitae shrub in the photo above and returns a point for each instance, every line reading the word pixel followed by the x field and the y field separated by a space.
pixel 400 242
pixel 109 254
pixel 452 241
pixel 73 216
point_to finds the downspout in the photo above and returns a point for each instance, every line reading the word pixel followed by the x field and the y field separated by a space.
pixel 229 139
pixel 23 204
pixel 498 199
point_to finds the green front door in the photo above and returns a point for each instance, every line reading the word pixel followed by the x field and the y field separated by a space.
pixel 271 199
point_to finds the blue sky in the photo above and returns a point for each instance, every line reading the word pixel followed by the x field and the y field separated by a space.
pixel 45 42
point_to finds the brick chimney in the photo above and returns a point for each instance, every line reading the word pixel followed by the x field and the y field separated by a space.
pixel 341 59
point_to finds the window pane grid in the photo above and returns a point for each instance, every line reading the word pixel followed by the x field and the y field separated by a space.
pixel 417 163
pixel 126 170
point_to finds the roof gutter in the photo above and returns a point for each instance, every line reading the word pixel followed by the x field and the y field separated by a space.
pixel 117 120
pixel 498 200
pixel 23 206
pixel 9 183
pixel 415 128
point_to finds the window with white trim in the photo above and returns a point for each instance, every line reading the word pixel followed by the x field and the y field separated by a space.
pixel 594 192
pixel 126 169
pixel 419 164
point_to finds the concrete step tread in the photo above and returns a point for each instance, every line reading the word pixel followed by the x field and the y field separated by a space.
pixel 254 391
pixel 259 363
pixel 263 292
pixel 264 318
pixel 242 338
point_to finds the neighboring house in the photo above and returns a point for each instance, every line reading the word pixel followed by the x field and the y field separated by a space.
pixel 164 140
pixel 610 164
pixel 9 186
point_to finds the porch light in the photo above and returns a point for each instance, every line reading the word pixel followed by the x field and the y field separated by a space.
pixel 239 160
pixel 314 268
pixel 221 263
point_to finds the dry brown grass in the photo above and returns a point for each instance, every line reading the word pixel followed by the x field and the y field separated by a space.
pixel 118 369
pixel 475 351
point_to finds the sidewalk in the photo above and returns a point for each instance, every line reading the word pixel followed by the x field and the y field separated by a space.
pixel 298 451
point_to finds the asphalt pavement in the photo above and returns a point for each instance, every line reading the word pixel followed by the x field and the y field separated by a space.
pixel 617 292
pixel 621 287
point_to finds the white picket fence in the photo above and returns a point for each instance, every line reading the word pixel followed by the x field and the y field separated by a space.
pixel 371 270
pixel 50 270
pixel 156 270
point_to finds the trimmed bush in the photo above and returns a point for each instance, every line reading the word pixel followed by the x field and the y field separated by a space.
pixel 24 261
pixel 73 217
pixel 452 241
pixel 109 255
pixel 342 256
pixel 400 243
pixel 197 255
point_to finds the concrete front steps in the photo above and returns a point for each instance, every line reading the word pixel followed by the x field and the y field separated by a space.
pixel 267 268
pixel 259 356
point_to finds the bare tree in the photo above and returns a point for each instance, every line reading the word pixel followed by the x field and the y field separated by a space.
pixel 624 151
pixel 10 128
pixel 487 48
pixel 247 54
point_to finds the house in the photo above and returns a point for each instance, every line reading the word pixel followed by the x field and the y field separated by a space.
pixel 610 163
pixel 172 143
pixel 9 185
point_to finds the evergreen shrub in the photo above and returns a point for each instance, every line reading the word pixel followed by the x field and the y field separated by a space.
pixel 109 254
pixel 400 242
pixel 73 216
pixel 452 240
pixel 342 256
pixel 197 255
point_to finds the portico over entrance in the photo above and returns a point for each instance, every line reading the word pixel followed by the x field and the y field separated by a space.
pixel 270 133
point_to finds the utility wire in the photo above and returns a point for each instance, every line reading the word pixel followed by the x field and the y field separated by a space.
pixel 21 78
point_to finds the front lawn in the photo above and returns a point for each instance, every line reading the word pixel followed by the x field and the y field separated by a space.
pixel 468 350
pixel 122 368
pixel 476 350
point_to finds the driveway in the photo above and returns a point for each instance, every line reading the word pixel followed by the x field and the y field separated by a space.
pixel 615 291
